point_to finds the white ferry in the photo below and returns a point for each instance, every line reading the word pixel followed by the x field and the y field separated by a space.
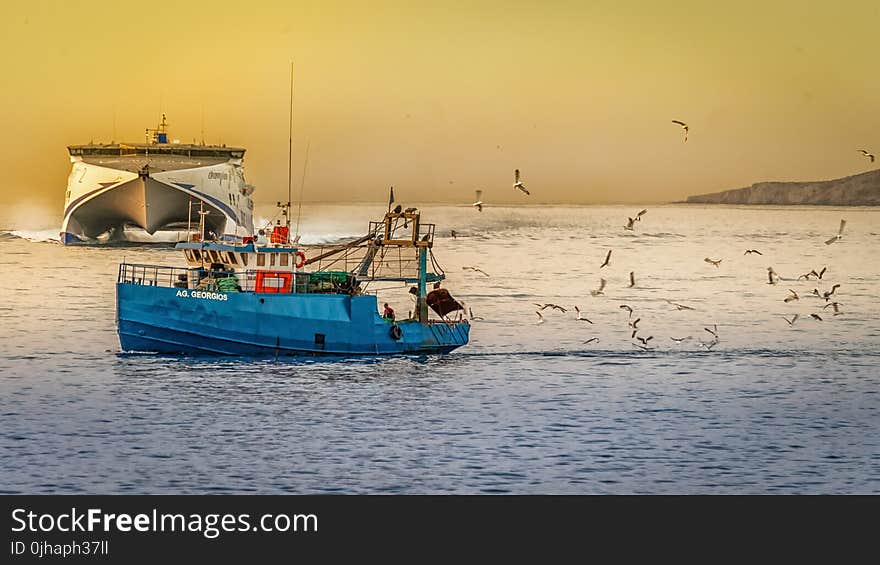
pixel 155 186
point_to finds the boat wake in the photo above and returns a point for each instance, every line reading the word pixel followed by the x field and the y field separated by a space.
pixel 36 236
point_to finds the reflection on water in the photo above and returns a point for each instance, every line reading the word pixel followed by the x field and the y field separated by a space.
pixel 524 408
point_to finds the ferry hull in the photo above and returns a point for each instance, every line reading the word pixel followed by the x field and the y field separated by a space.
pixel 171 320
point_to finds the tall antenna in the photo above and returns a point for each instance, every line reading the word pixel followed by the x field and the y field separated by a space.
pixel 301 188
pixel 290 146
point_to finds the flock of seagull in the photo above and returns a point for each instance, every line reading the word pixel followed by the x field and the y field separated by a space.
pixel 644 342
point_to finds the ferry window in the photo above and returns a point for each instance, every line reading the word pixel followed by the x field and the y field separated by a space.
pixel 188 254
pixel 215 257
pixel 232 258
pixel 284 259
pixel 244 259
pixel 196 255
pixel 261 259
pixel 272 259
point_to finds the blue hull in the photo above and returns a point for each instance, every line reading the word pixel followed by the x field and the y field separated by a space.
pixel 171 320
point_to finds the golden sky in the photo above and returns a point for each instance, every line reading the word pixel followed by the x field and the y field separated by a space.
pixel 440 98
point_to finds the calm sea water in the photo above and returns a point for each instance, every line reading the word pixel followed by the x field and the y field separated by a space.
pixel 524 408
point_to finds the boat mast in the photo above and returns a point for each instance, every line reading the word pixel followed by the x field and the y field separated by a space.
pixel 289 157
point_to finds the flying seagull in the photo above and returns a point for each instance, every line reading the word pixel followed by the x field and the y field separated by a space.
pixel 770 274
pixel 827 294
pixel 627 308
pixel 835 305
pixel 715 262
pixel 713 331
pixel 475 269
pixel 645 340
pixel 750 251
pixel 607 259
pixel 601 289
pixel 517 184
pixel 679 306
pixel 816 316
pixel 684 126
pixel 478 201
pixel 866 154
pixel 794 296
pixel 632 279
pixel 580 316
pixel 452 233
pixel 792 321
pixel 540 317
pixel 680 339
pixel 630 222
pixel 592 339
pixel 550 305
pixel 634 324
pixel 709 345
pixel 839 233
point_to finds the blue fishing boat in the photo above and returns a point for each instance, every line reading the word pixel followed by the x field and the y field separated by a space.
pixel 274 297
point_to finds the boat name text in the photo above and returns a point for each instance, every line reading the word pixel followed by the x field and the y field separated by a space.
pixel 202 294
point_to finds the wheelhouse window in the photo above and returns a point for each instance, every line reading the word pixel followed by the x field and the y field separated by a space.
pixel 244 259
pixel 261 259
pixel 284 259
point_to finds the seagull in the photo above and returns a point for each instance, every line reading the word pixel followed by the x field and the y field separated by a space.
pixel 397 209
pixel 866 154
pixel 592 339
pixel 634 334
pixel 750 251
pixel 471 315
pixel 579 316
pixel 792 321
pixel 632 279
pixel 839 233
pixel 713 261
pixel 475 269
pixel 630 222
pixel 684 126
pixel 452 233
pixel 770 274
pixel 709 345
pixel 627 308
pixel 478 201
pixel 834 305
pixel 827 294
pixel 679 306
pixel 820 273
pixel 549 305
pixel 601 289
pixel 816 316
pixel 634 324
pixel 410 210
pixel 794 296
pixel 680 339
pixel 713 331
pixel 607 259
pixel 645 340
pixel 540 317
pixel 517 184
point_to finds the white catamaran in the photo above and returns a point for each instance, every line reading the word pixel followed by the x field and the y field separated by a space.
pixel 153 186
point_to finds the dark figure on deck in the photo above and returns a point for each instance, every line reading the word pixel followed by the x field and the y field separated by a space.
pixel 388 313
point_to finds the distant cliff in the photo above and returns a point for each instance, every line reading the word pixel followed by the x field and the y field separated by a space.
pixel 858 190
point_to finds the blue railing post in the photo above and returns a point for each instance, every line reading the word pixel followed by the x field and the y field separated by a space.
pixel 423 270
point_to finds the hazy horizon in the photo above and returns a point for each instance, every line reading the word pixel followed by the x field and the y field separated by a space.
pixel 440 100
